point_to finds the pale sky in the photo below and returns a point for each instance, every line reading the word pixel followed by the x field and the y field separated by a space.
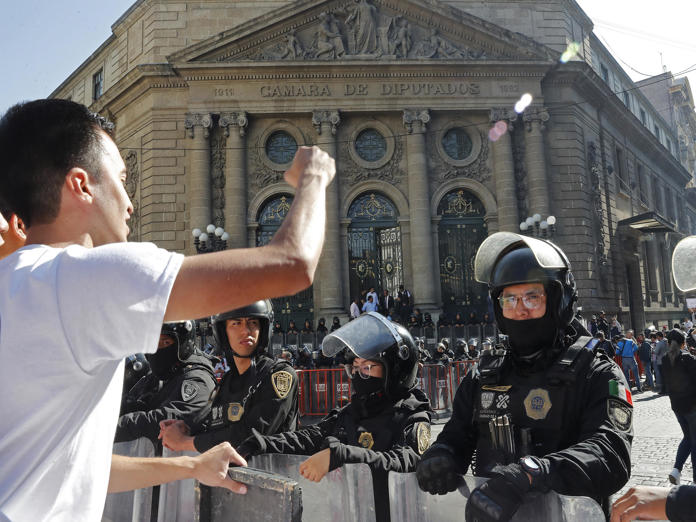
pixel 43 41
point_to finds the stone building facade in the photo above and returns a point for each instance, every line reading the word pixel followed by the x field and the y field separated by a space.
pixel 415 99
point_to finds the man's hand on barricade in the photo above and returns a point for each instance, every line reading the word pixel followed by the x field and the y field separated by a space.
pixel 499 498
pixel 175 435
pixel 316 466
pixel 210 468
pixel 310 161
pixel 437 472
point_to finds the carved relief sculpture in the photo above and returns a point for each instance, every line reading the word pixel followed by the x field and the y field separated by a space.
pixel 217 167
pixel 132 179
pixel 332 117
pixel 598 214
pixel 363 23
pixel 293 48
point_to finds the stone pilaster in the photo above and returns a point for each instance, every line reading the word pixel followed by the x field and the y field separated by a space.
pixel 422 248
pixel 200 210
pixel 235 124
pixel 535 160
pixel 653 261
pixel 331 301
pixel 504 173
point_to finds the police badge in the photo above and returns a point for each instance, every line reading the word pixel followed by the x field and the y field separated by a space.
pixel 235 411
pixel 537 404
pixel 423 436
pixel 366 440
pixel 282 383
pixel 188 390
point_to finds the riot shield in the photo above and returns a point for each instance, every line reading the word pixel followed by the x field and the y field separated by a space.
pixel 130 506
pixel 308 341
pixel 277 344
pixel 415 331
pixel 178 501
pixel 344 494
pixel 292 340
pixel 490 330
pixel 270 497
pixel 430 338
pixel 408 503
pixel 473 331
pixel 445 332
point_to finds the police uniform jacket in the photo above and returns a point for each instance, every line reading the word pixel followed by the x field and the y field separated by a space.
pixel 575 415
pixel 184 396
pixel 392 438
pixel 265 398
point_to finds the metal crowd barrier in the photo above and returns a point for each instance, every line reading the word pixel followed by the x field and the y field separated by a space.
pixel 322 390
pixel 461 369
pixel 408 503
pixel 435 381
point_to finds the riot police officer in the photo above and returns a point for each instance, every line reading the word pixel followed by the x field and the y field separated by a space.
pixel 387 423
pixel 179 385
pixel 258 392
pixel 547 414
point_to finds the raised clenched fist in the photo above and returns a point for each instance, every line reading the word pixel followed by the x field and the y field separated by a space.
pixel 310 161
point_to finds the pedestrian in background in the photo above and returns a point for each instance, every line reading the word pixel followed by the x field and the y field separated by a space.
pixel 660 351
pixel 645 355
pixel 678 373
pixel 627 349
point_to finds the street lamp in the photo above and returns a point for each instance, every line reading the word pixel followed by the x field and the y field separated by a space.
pixel 535 226
pixel 212 240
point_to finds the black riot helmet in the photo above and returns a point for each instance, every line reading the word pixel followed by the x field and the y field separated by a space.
pixel 261 310
pixel 166 359
pixel 506 259
pixel 372 336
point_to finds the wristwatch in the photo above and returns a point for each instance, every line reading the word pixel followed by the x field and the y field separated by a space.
pixel 531 465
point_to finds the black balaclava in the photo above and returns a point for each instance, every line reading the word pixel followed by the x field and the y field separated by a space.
pixel 531 335
pixel 164 361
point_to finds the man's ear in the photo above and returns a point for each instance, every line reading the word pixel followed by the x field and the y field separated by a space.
pixel 18 228
pixel 79 184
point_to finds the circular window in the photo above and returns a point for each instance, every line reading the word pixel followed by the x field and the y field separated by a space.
pixel 281 147
pixel 370 145
pixel 457 144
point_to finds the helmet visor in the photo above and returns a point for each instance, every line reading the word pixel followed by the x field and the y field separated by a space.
pixel 684 264
pixel 494 245
pixel 367 337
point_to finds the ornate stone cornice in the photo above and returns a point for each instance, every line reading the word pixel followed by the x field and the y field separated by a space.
pixel 332 117
pixel 539 115
pixel 204 120
pixel 420 117
pixel 230 119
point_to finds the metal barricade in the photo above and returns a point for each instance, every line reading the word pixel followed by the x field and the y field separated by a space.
pixel 277 342
pixel 461 369
pixel 408 503
pixel 434 381
pixel 323 390
pixel 130 506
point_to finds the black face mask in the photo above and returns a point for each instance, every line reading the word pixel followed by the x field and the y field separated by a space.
pixel 366 387
pixel 163 361
pixel 531 335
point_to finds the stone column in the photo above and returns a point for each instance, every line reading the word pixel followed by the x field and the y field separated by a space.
pixel 538 183
pixel 200 211
pixel 422 250
pixel 504 174
pixel 331 300
pixel 667 295
pixel 653 262
pixel 235 124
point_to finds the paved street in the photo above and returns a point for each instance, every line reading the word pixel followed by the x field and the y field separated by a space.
pixel 657 435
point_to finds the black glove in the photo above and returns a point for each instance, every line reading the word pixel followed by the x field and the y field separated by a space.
pixel 437 472
pixel 500 497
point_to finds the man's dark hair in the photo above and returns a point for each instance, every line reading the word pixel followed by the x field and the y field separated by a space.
pixel 660 335
pixel 40 141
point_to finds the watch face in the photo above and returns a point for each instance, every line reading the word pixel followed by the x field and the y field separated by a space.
pixel 529 463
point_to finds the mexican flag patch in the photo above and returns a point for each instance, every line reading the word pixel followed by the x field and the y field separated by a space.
pixel 617 389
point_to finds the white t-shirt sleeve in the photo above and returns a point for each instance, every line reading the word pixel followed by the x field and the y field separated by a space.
pixel 112 299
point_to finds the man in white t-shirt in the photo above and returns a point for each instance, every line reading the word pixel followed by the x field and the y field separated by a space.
pixel 63 174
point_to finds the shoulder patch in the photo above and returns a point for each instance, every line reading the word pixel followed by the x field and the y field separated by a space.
pixel 282 383
pixel 423 436
pixel 620 414
pixel 188 390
